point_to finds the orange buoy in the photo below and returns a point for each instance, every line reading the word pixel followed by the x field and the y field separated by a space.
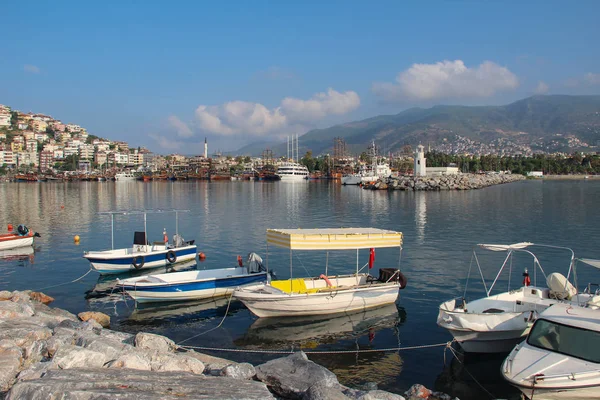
pixel 10 227
pixel 62 207
pixel 201 256
pixel 240 262
pixel 76 239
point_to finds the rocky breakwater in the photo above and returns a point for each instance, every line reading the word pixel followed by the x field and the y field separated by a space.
pixel 50 353
pixel 443 182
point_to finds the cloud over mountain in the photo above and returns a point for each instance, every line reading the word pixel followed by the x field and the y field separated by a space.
pixel 541 88
pixel 447 79
pixel 292 114
pixel 183 130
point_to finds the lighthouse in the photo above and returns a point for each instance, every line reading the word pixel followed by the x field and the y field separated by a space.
pixel 420 166
pixel 205 148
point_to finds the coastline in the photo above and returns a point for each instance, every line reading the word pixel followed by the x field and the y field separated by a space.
pixel 569 177
pixel 50 353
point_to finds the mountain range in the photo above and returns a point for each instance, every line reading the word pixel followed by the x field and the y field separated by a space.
pixel 546 123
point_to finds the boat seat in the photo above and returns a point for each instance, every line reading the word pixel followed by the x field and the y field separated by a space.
pixel 297 286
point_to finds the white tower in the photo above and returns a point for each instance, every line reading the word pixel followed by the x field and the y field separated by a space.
pixel 205 148
pixel 420 166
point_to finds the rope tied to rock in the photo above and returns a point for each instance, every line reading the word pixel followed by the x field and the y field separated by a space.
pixel 265 351
pixel 65 283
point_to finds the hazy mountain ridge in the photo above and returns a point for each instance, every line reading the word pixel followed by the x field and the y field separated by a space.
pixel 534 121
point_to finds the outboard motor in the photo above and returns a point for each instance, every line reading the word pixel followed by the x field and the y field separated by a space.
pixel 22 230
pixel 178 240
pixel 255 263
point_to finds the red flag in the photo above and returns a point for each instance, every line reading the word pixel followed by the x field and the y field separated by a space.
pixel 371 257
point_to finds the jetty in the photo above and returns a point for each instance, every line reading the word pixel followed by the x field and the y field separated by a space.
pixel 443 182
pixel 48 352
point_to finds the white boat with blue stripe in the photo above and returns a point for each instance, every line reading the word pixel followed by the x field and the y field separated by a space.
pixel 143 254
pixel 194 285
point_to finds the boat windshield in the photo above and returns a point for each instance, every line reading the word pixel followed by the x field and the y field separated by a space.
pixel 565 339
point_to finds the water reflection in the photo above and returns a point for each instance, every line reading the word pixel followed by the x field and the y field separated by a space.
pixel 420 216
pixel 474 376
pixel 25 254
pixel 312 331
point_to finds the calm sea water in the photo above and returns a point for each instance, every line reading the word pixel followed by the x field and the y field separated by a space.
pixel 230 218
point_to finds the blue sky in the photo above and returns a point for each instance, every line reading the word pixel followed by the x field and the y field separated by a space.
pixel 166 75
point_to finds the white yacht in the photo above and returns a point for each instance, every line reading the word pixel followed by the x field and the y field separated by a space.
pixel 560 358
pixel 125 176
pixel 292 171
pixel 368 173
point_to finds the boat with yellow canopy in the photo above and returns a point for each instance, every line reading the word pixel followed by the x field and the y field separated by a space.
pixel 327 294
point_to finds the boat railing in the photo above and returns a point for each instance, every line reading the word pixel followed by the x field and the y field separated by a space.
pixel 569 375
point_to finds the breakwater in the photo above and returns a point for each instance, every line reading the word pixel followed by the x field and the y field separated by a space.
pixel 50 353
pixel 443 182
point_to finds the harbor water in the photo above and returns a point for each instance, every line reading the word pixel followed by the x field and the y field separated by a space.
pixel 228 219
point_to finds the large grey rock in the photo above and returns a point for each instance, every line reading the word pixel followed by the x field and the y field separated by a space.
pixel 320 392
pixel 67 357
pixel 291 376
pixel 154 342
pixel 11 358
pixel 23 331
pixel 5 295
pixel 176 362
pixel 35 371
pixel 57 341
pixel 131 360
pixel 239 371
pixel 34 352
pixel 96 384
pixel 420 392
pixel 211 363
pixel 110 348
pixel 15 310
pixel 122 337
pixel 21 297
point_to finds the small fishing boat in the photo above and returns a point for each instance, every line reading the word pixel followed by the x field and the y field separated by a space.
pixel 497 322
pixel 21 238
pixel 194 285
pixel 326 294
pixel 560 358
pixel 142 254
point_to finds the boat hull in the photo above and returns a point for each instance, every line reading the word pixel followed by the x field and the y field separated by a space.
pixel 119 261
pixel 8 242
pixel 329 302
pixel 194 290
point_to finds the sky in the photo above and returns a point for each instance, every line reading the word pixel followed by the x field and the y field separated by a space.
pixel 167 75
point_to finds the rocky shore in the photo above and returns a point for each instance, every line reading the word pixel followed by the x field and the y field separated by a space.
pixel 444 182
pixel 50 353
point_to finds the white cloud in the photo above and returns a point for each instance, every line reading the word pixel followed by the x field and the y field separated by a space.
pixel 541 88
pixel 320 105
pixel 593 79
pixel 183 130
pixel 242 117
pixel 447 79
pixel 31 68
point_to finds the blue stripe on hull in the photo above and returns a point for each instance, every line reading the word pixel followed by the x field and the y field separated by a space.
pixel 148 257
pixel 200 285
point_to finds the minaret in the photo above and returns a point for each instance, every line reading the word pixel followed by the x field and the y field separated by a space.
pixel 205 148
pixel 420 161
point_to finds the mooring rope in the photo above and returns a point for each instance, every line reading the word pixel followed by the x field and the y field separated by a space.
pixel 386 350
pixel 211 329
pixel 65 283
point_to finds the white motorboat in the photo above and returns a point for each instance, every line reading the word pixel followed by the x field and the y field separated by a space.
pixel 368 173
pixel 292 171
pixel 142 254
pixel 194 285
pixel 326 294
pixel 496 323
pixel 23 237
pixel 560 358
pixel 124 176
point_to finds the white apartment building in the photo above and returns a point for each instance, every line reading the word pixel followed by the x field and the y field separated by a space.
pixel 40 137
pixel 27 158
pixel 86 151
pixel 5 119
pixel 58 154
pixel 31 145
pixel 8 158
pixel 71 150
pixel 136 158
pixel 73 127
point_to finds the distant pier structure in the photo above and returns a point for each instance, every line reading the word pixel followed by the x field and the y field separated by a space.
pixel 420 161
